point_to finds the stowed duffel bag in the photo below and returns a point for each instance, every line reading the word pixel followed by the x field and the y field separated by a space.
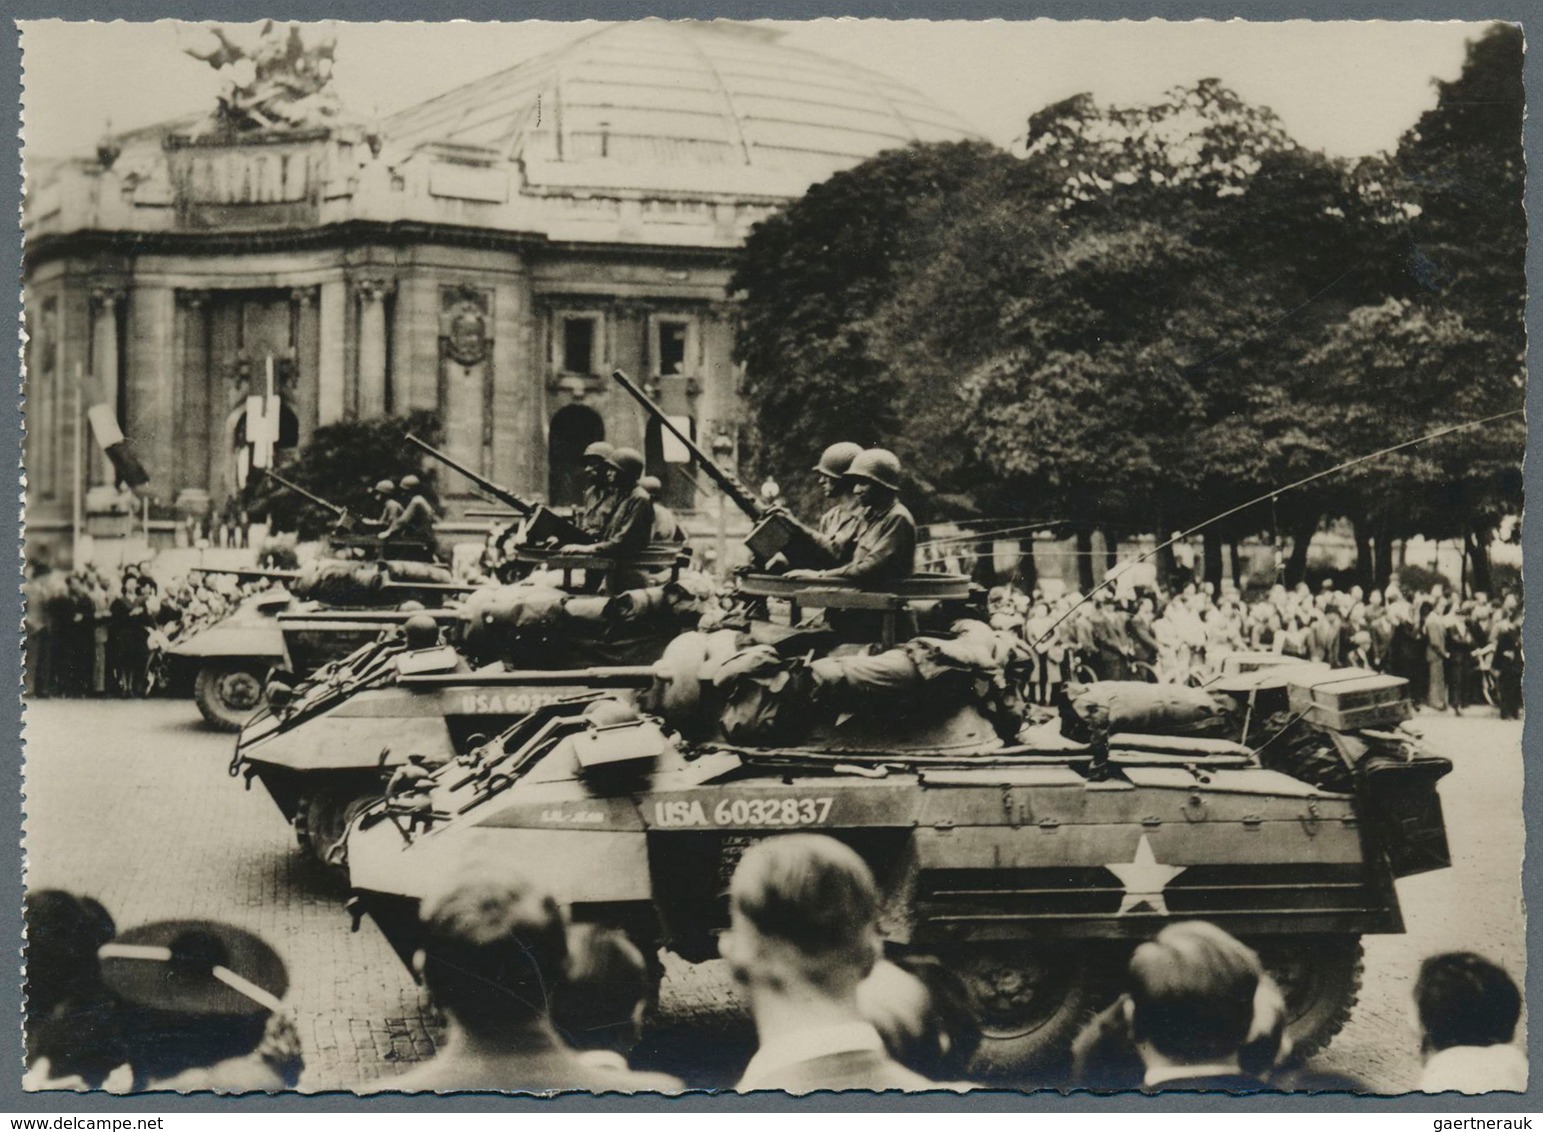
pixel 1092 712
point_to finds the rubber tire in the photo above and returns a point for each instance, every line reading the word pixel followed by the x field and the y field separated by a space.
pixel 1010 1051
pixel 1320 1004
pixel 321 824
pixel 212 705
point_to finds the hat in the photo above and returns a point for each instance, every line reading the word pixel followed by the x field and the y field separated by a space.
pixel 196 967
pixel 383 487
pixel 410 482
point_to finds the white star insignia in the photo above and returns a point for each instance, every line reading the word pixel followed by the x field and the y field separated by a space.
pixel 1144 880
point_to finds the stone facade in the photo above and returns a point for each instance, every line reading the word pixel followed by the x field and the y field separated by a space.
pixel 492 254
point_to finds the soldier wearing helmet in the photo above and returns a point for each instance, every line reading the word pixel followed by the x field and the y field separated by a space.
pixel 390 506
pixel 599 500
pixel 840 522
pixel 884 549
pixel 667 527
pixel 631 525
pixel 414 525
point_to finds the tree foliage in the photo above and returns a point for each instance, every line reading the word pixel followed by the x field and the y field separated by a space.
pixel 340 464
pixel 1157 312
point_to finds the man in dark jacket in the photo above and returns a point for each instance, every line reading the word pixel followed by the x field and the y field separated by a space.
pixel 803 935
pixel 1191 1008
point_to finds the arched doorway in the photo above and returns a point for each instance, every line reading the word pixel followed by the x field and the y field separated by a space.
pixel 679 492
pixel 572 430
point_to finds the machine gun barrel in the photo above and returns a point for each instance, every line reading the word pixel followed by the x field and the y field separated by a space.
pixel 776 531
pixel 736 491
pixel 340 512
pixel 502 494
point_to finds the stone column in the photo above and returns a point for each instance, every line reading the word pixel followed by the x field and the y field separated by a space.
pixel 331 362
pixel 105 301
pixel 372 346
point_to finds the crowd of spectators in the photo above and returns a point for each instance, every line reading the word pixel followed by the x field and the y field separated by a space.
pixel 1454 651
pixel 95 631
pixel 532 1002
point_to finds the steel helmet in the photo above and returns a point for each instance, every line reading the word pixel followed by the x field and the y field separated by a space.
pixel 421 631
pixel 384 487
pixel 836 459
pixel 879 465
pixel 651 484
pixel 411 483
pixel 627 461
pixel 599 451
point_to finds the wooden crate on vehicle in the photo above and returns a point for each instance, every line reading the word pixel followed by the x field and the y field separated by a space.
pixel 1349 699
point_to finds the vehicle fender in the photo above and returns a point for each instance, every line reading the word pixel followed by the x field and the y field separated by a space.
pixel 331 742
pixel 234 642
pixel 583 866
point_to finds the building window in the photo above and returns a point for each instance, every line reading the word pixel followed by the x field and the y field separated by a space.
pixel 579 338
pixel 673 337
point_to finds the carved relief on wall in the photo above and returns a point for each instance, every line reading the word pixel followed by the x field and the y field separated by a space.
pixel 464 324
pixel 466 373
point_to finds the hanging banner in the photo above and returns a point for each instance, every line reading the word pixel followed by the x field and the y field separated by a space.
pixel 109 437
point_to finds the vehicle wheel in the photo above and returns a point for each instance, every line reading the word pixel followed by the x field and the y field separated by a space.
pixel 321 826
pixel 1320 977
pixel 1032 1003
pixel 1141 670
pixel 227 695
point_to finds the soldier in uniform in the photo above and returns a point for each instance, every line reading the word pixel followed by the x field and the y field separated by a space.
pixel 631 525
pixel 599 500
pixel 415 523
pixel 884 547
pixel 667 527
pixel 390 506
pixel 839 524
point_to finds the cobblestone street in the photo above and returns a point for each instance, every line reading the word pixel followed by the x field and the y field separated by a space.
pixel 131 803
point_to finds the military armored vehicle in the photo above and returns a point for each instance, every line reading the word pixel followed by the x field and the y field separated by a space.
pixel 310 618
pixel 1030 865
pixel 325 745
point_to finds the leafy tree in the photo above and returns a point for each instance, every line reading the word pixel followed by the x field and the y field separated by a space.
pixel 811 275
pixel 340 464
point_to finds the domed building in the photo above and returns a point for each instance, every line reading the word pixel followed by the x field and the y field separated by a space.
pixel 492 253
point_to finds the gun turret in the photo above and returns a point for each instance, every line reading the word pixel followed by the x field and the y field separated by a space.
pixel 343 517
pixel 776 531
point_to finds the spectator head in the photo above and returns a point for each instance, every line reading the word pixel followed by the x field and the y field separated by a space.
pixel 1192 991
pixel 925 1014
pixel 195 993
pixel 494 947
pixel 70 1017
pixel 803 917
pixel 1374 599
pixel 1463 999
pixel 601 1004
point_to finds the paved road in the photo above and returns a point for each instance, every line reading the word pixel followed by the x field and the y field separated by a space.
pixel 131 803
